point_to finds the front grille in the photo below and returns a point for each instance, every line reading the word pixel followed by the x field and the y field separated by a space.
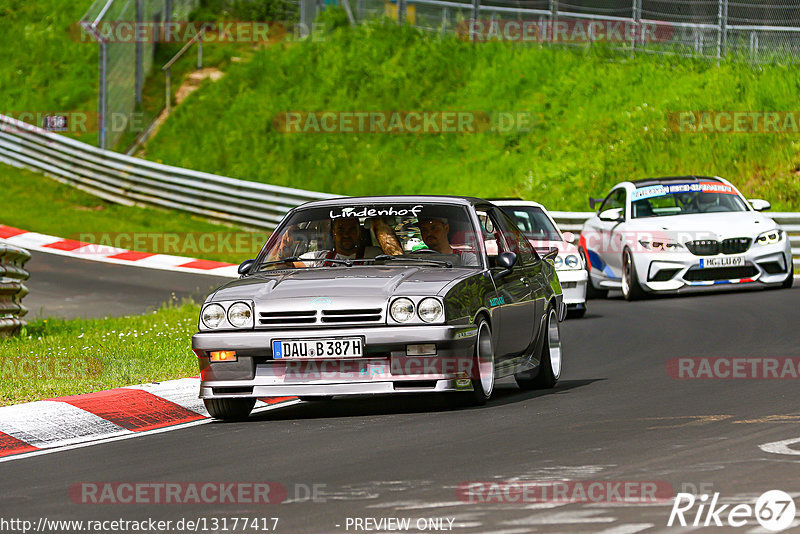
pixel 736 245
pixel 703 247
pixel 367 315
pixel 720 273
pixel 710 247
pixel 288 317
pixel 307 317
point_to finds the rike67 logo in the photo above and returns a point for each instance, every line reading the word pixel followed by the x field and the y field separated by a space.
pixel 774 510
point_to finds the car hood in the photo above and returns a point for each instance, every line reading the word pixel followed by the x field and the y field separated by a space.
pixel 369 281
pixel 706 225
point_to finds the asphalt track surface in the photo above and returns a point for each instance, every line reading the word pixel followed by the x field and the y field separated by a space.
pixel 616 415
pixel 66 287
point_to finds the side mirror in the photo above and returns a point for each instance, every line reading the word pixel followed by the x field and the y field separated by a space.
pixel 759 205
pixel 550 255
pixel 506 260
pixel 245 266
pixel 612 215
pixel 569 237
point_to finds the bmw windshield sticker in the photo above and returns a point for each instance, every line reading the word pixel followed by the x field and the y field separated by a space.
pixel 374 212
pixel 662 190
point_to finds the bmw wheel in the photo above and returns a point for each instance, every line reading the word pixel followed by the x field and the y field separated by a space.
pixel 631 289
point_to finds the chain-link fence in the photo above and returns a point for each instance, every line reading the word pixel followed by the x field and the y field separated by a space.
pixel 754 30
pixel 126 58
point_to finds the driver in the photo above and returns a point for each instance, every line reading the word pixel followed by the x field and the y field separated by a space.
pixel 435 231
pixel 346 234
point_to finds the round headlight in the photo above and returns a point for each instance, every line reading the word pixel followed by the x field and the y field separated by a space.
pixel 571 261
pixel 213 314
pixel 558 262
pixel 402 310
pixel 430 310
pixel 239 314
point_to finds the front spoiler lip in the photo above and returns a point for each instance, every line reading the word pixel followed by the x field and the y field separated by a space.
pixel 310 390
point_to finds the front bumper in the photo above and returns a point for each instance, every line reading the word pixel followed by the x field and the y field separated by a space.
pixel 384 368
pixel 681 271
pixel 573 285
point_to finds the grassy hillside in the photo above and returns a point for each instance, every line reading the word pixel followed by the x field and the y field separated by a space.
pixel 599 118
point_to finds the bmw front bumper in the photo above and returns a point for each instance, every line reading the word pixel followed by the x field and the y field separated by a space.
pixel 763 265
pixel 573 285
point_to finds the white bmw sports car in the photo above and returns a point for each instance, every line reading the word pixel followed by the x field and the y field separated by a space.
pixel 681 234
pixel 544 234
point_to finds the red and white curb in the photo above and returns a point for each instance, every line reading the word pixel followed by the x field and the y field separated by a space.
pixel 51 425
pixel 107 254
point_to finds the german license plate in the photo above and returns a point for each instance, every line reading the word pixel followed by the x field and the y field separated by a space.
pixel 338 347
pixel 723 261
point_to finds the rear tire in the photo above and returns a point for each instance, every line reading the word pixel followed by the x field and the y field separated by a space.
pixel 482 368
pixel 631 289
pixel 229 409
pixel 549 358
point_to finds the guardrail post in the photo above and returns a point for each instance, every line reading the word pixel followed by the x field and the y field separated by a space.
pixel 401 11
pixel 102 104
pixel 637 24
pixel 553 20
pixel 476 11
pixel 12 288
pixel 719 31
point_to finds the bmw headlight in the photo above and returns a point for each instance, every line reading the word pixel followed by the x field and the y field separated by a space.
pixel 430 310
pixel 568 261
pixel 558 262
pixel 212 315
pixel 771 237
pixel 240 315
pixel 660 245
pixel 402 310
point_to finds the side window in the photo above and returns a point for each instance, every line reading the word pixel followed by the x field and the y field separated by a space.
pixel 615 199
pixel 516 240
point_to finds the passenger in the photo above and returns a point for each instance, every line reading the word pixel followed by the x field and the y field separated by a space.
pixel 435 231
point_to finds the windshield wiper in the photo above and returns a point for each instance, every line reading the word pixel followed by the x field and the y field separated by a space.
pixel 384 257
pixel 285 260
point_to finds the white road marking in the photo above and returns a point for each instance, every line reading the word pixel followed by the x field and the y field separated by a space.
pixel 781 447
pixel 130 435
pixel 48 424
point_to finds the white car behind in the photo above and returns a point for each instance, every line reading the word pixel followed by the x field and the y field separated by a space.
pixel 676 234
pixel 544 234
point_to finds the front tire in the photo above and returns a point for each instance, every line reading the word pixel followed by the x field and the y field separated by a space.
pixel 229 409
pixel 482 368
pixel 631 289
pixel 549 358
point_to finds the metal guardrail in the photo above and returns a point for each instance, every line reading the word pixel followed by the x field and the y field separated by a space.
pixel 128 180
pixel 570 221
pixel 12 288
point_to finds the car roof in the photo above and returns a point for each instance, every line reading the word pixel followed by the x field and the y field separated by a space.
pixel 443 199
pixel 515 202
pixel 675 179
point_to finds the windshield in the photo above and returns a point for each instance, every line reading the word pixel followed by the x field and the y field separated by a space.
pixel 533 222
pixel 685 199
pixel 353 235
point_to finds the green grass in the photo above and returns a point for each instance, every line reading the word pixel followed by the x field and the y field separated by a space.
pixel 36 203
pixel 600 118
pixel 56 357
